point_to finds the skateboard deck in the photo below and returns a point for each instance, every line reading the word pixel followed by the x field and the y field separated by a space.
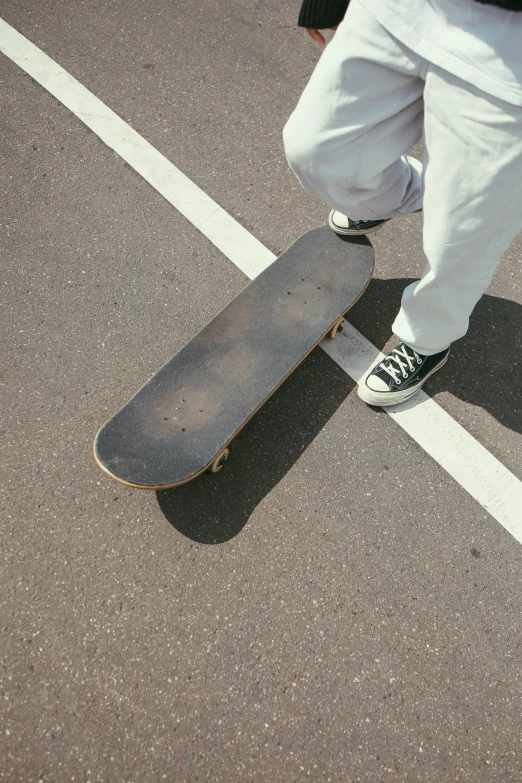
pixel 179 424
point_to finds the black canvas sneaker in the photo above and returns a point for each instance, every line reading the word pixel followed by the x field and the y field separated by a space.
pixel 399 375
pixel 342 224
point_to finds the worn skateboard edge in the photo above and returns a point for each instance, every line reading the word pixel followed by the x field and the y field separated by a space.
pixel 225 445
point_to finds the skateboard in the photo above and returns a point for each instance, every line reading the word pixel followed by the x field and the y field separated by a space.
pixel 182 421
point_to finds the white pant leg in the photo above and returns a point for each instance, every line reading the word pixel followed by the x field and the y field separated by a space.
pixel 472 207
pixel 360 112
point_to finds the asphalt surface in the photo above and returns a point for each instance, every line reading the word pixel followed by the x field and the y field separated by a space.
pixel 332 606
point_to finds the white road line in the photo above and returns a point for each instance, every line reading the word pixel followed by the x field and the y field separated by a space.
pixel 464 458
pixel 485 478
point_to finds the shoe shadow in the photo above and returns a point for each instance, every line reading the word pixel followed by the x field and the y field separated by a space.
pixel 484 368
pixel 214 508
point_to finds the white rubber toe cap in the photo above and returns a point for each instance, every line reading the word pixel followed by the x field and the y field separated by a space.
pixel 376 384
pixel 338 219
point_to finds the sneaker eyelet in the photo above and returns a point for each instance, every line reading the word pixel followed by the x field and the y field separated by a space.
pixel 398 382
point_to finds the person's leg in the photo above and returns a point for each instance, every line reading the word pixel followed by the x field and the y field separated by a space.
pixel 472 212
pixel 360 112
pixel 472 208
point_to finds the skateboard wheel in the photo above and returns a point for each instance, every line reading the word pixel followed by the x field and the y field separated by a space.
pixel 336 329
pixel 219 461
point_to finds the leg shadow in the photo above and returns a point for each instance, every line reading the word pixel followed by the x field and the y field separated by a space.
pixel 485 366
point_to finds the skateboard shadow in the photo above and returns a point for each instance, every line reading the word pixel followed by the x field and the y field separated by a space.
pixel 484 370
pixel 213 509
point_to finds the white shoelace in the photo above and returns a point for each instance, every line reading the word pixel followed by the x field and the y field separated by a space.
pixel 395 356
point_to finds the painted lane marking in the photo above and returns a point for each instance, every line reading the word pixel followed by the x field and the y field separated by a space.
pixel 480 473
pixel 485 478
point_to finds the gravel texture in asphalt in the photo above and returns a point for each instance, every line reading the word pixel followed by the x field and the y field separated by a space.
pixel 330 607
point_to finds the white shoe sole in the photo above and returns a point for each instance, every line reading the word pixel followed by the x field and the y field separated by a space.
pixel 383 399
pixel 352 232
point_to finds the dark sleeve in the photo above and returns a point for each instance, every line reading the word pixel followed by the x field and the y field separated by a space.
pixel 320 14
pixel 509 5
